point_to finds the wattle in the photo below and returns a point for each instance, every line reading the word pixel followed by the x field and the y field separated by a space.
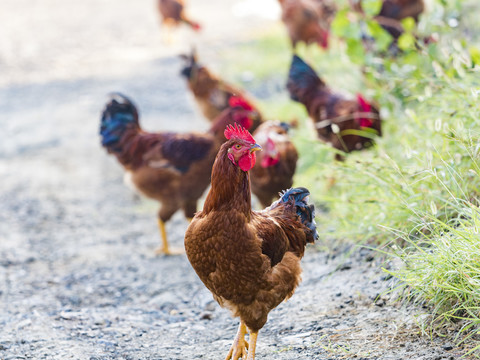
pixel 247 161
pixel 268 161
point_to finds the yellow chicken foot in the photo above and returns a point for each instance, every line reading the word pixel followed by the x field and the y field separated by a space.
pixel 252 344
pixel 165 249
pixel 239 346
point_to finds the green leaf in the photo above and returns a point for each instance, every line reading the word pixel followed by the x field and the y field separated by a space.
pixel 343 27
pixel 408 24
pixel 371 7
pixel 382 38
pixel 406 41
pixel 474 54
pixel 340 23
pixel 356 51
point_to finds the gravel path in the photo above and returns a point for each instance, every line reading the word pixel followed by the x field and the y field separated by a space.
pixel 78 278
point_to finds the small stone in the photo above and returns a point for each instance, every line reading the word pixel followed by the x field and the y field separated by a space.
pixel 345 266
pixel 447 347
pixel 206 315
pixel 210 306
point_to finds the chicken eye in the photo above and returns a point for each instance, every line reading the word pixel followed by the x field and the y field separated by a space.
pixel 238 146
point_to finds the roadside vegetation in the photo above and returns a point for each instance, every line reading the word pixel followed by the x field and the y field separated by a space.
pixel 415 195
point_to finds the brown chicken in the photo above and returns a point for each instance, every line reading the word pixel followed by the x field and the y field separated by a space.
pixel 345 124
pixel 393 11
pixel 274 170
pixel 211 93
pixel 249 260
pixel 172 168
pixel 308 20
pixel 173 14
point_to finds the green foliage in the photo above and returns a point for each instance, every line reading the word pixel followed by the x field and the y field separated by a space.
pixel 382 38
pixel 474 54
pixel 442 268
pixel 371 7
pixel 343 27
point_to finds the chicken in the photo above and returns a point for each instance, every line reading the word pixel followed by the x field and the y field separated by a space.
pixel 346 124
pixel 211 93
pixel 393 11
pixel 172 168
pixel 401 9
pixel 274 170
pixel 308 20
pixel 173 14
pixel 249 260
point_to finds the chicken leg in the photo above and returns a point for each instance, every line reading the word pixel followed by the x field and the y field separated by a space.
pixel 163 234
pixel 239 346
pixel 165 249
pixel 252 344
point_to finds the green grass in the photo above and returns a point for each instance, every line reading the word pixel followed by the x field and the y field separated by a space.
pixel 415 194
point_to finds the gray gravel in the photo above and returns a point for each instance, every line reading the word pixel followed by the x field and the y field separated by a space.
pixel 78 275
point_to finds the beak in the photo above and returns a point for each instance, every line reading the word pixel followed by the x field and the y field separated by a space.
pixel 255 147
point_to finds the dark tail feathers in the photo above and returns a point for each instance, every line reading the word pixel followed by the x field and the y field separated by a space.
pixel 301 79
pixel 305 211
pixel 118 115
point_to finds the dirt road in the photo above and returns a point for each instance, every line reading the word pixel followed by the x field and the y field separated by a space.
pixel 78 277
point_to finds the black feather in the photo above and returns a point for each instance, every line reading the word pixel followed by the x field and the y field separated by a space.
pixel 301 78
pixel 118 115
pixel 305 211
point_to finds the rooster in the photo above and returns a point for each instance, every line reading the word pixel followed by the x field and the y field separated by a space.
pixel 346 124
pixel 211 93
pixel 308 20
pixel 172 168
pixel 249 260
pixel 172 13
pixel 277 162
pixel 392 12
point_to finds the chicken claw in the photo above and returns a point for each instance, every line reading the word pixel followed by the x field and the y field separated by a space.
pixel 165 249
pixel 169 251
pixel 239 346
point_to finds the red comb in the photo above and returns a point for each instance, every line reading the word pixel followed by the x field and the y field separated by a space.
pixel 196 26
pixel 364 104
pixel 239 101
pixel 238 132
pixel 365 107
